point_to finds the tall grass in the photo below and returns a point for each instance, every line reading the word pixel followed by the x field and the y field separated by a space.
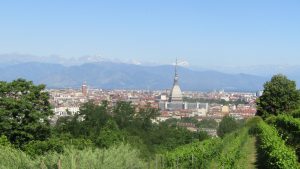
pixel 122 156
pixel 11 158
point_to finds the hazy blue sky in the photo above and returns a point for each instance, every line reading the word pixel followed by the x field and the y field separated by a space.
pixel 241 32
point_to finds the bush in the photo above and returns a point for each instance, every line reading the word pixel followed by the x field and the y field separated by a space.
pixel 289 129
pixel 4 141
pixel 227 125
pixel 203 135
pixel 296 113
pixel 36 148
pixel 275 154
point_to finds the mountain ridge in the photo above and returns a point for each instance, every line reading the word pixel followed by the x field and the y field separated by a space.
pixel 110 75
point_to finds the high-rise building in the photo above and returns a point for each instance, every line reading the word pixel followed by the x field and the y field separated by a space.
pixel 84 89
pixel 175 95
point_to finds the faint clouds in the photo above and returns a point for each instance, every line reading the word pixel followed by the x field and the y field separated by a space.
pixel 182 63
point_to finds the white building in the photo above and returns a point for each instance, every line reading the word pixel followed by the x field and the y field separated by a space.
pixel 65 111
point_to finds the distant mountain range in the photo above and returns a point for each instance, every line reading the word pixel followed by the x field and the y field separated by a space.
pixel 111 75
pixel 99 72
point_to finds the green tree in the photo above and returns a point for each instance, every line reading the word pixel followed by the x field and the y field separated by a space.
pixel 109 135
pixel 227 125
pixel 94 116
pixel 189 120
pixel 85 124
pixel 165 137
pixel 90 120
pixel 279 95
pixel 62 125
pixel 24 111
pixel 145 116
pixel 36 148
pixel 123 113
pixel 203 135
pixel 207 123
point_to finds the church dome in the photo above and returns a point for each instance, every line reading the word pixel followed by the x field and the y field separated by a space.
pixel 176 94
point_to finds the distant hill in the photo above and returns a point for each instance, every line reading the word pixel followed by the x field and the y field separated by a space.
pixel 109 75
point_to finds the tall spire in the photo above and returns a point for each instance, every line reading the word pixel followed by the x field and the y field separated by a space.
pixel 175 95
pixel 176 67
pixel 176 73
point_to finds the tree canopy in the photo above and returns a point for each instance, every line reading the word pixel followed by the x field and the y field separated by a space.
pixel 227 125
pixel 24 111
pixel 279 95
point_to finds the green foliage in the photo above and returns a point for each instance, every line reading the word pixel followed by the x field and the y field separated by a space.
pixel 75 140
pixel 94 118
pixel 94 122
pixel 123 123
pixel 203 135
pixel 207 123
pixel 11 158
pixel 197 155
pixel 171 122
pixel 109 135
pixel 145 116
pixel 24 111
pixel 37 148
pixel 252 124
pixel 289 129
pixel 233 150
pixel 65 125
pixel 274 153
pixel 227 125
pixel 279 95
pixel 123 113
pixel 188 120
pixel 4 141
pixel 122 156
pixel 230 152
pixel 295 113
pixel 211 153
pixel 164 137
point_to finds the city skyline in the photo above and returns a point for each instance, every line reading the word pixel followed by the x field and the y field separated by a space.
pixel 232 33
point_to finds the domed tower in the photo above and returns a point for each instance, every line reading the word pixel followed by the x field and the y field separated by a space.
pixel 175 95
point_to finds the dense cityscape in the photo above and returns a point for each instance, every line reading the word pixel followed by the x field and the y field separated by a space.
pixel 171 103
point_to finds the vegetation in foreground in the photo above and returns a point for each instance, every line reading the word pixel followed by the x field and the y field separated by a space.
pixel 25 128
pixel 121 156
pixel 120 136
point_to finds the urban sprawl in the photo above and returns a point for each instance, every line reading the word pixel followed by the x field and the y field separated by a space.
pixel 171 103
